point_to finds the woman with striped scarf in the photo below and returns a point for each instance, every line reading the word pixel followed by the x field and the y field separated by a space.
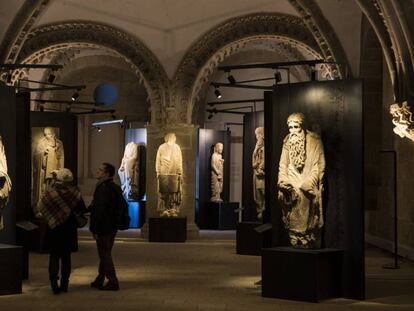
pixel 57 206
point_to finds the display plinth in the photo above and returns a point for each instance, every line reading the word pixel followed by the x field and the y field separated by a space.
pixel 298 274
pixel 10 269
pixel 249 241
pixel 167 229
pixel 221 215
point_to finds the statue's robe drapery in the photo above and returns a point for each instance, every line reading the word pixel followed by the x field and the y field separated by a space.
pixel 5 182
pixel 258 165
pixel 129 172
pixel 217 167
pixel 302 208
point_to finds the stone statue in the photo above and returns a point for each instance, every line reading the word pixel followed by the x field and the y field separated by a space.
pixel 217 170
pixel 48 155
pixel 169 168
pixel 129 172
pixel 5 182
pixel 402 120
pixel 300 184
pixel 258 164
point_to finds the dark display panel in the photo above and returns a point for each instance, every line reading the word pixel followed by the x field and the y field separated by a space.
pixel 206 140
pixel 250 123
pixel 333 109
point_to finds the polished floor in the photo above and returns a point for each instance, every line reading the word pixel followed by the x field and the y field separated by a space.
pixel 203 274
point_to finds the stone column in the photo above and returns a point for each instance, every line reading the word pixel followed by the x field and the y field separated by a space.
pixel 187 140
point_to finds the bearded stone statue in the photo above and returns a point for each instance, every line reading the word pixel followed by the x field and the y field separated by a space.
pixel 300 184
pixel 258 164
pixel 217 171
pixel 48 155
pixel 129 172
pixel 169 168
pixel 5 182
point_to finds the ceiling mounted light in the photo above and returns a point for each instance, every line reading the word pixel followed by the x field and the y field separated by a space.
pixel 217 93
pixel 231 79
pixel 51 78
pixel 278 77
pixel 75 96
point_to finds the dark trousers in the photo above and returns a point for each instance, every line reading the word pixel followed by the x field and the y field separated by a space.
pixel 104 244
pixel 65 268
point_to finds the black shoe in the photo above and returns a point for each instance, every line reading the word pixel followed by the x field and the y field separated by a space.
pixel 110 286
pixel 64 284
pixel 98 283
pixel 55 287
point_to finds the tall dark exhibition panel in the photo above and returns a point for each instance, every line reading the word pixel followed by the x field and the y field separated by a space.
pixel 207 139
pixel 250 123
pixel 333 109
pixel 65 127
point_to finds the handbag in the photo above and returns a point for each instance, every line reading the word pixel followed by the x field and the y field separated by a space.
pixel 81 220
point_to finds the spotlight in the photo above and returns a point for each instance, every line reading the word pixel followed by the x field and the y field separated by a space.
pixel 75 96
pixel 278 77
pixel 210 116
pixel 99 129
pixel 217 93
pixel 231 79
pixel 51 78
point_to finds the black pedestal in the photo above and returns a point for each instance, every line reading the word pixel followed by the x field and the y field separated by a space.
pixel 221 216
pixel 164 229
pixel 296 274
pixel 10 269
pixel 25 233
pixel 249 241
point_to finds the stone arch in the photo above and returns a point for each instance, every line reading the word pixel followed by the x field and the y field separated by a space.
pixel 50 38
pixel 227 38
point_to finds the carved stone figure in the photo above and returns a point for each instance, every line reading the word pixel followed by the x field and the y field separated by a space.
pixel 217 170
pixel 300 184
pixel 169 168
pixel 258 164
pixel 48 155
pixel 402 120
pixel 5 182
pixel 129 172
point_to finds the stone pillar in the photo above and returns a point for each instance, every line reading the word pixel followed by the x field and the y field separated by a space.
pixel 187 140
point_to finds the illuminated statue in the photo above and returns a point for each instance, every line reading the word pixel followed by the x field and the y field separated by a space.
pixel 217 170
pixel 48 155
pixel 129 172
pixel 5 182
pixel 300 184
pixel 258 164
pixel 402 120
pixel 169 168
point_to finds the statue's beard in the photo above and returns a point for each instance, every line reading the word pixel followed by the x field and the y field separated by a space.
pixel 297 152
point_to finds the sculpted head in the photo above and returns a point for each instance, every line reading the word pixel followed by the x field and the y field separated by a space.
pixel 295 123
pixel 218 147
pixel 49 133
pixel 170 138
pixel 259 131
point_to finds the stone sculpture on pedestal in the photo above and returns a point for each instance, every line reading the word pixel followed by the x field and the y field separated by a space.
pixel 169 168
pixel 258 164
pixel 48 155
pixel 129 172
pixel 300 184
pixel 5 182
pixel 217 170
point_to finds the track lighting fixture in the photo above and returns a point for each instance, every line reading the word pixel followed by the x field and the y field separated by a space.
pixel 278 77
pixel 231 79
pixel 51 78
pixel 99 129
pixel 217 93
pixel 75 96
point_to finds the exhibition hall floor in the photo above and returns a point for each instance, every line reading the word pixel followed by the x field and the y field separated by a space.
pixel 203 274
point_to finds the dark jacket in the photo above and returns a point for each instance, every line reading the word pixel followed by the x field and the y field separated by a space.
pixel 103 208
pixel 64 238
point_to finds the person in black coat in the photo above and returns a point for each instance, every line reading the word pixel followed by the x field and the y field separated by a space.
pixel 58 206
pixel 103 225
